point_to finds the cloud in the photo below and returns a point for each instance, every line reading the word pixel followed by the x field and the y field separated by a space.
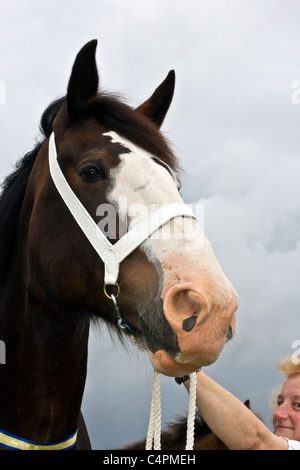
pixel 236 132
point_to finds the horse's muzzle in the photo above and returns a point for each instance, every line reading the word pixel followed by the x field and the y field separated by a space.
pixel 202 328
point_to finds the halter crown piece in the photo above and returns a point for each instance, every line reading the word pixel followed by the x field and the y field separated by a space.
pixel 113 255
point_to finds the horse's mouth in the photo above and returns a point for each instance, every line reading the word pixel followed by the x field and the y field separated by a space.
pixel 153 333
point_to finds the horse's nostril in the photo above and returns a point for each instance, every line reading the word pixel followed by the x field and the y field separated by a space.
pixel 229 333
pixel 189 323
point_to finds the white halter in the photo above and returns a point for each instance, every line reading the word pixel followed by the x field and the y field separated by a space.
pixel 112 256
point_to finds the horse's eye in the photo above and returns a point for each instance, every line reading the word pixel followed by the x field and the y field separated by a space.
pixel 90 173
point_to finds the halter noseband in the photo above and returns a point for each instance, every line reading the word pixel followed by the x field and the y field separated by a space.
pixel 111 255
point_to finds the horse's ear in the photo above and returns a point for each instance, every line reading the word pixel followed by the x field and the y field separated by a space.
pixel 156 107
pixel 83 83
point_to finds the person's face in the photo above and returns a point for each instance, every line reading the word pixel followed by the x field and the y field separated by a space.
pixel 286 419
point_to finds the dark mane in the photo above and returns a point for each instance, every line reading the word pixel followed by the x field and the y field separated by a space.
pixel 109 111
pixel 13 191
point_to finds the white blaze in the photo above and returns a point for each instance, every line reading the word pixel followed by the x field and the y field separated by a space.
pixel 179 246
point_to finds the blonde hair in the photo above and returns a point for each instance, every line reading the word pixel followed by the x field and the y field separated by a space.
pixel 288 367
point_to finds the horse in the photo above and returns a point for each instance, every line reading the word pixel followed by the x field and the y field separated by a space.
pixel 173 437
pixel 93 229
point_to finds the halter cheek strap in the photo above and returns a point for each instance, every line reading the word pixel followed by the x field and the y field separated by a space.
pixel 111 255
pixel 10 441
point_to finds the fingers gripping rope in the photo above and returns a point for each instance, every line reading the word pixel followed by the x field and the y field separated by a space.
pixel 154 427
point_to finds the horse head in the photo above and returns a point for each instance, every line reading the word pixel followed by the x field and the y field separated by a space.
pixel 121 174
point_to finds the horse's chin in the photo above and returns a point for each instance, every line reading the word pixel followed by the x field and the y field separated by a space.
pixel 162 362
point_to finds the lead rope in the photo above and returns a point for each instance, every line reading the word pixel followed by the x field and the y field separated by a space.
pixel 154 427
pixel 190 433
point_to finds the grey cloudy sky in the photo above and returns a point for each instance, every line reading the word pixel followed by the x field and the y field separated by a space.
pixel 235 127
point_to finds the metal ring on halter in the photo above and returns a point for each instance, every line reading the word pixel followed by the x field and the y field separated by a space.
pixel 108 295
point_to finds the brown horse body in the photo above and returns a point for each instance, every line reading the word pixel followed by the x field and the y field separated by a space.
pixel 51 278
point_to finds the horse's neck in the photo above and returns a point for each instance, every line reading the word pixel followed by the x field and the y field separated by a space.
pixel 42 381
